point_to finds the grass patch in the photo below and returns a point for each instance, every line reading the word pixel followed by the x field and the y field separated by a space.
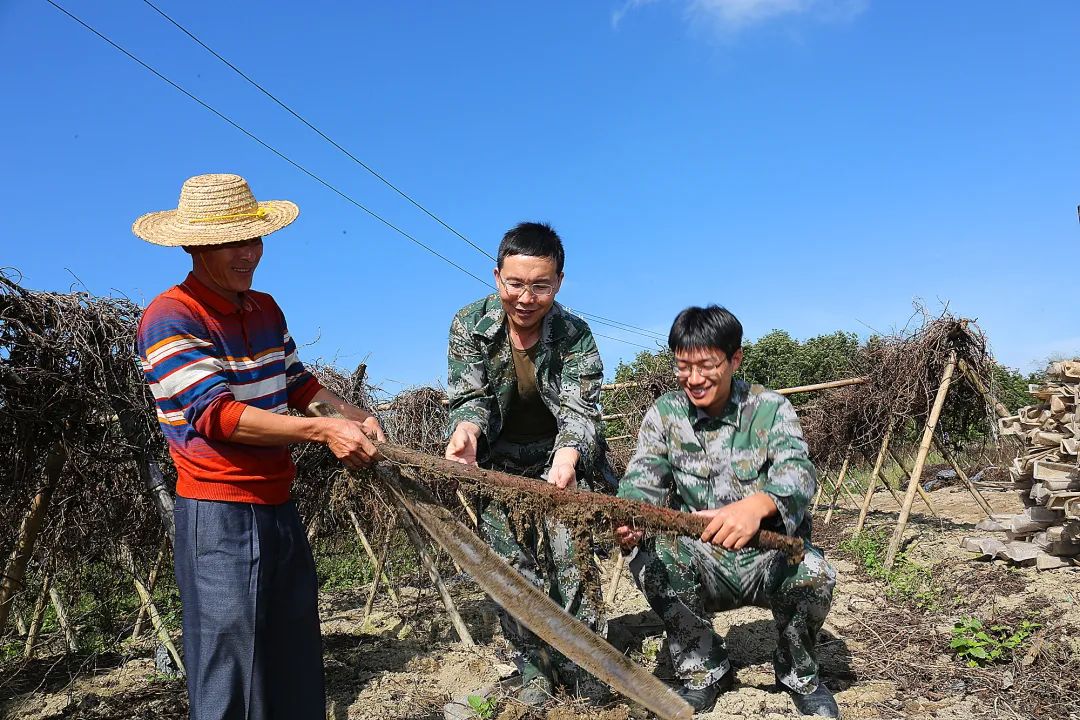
pixel 907 581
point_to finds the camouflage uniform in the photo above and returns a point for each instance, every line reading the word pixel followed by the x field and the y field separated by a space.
pixel 481 386
pixel 689 461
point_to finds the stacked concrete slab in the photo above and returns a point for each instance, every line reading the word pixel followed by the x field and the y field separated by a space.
pixel 1046 474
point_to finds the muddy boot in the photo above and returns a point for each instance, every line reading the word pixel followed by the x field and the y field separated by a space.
pixel 819 703
pixel 703 699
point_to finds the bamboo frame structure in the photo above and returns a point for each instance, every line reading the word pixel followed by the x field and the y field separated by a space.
pixel 372 556
pixel 128 561
pixel 15 573
pixel 925 496
pixel 841 476
pixel 436 579
pixel 979 498
pixel 378 574
pixel 38 615
pixel 875 474
pixel 920 460
pixel 140 617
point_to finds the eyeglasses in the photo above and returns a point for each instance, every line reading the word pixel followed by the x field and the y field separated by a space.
pixel 708 368
pixel 516 287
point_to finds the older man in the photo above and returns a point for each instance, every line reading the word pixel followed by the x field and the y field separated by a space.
pixel 735 454
pixel 524 386
pixel 224 373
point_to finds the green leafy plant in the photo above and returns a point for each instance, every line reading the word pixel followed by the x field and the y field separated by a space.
pixel 483 707
pixel 907 581
pixel 978 645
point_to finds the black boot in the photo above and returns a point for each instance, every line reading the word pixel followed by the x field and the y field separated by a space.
pixel 703 699
pixel 819 703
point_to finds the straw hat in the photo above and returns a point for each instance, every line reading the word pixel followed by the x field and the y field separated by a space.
pixel 215 209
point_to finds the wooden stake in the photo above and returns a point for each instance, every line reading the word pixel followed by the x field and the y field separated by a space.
pixel 20 624
pixel 12 580
pixel 839 484
pixel 62 618
pixel 38 615
pixel 155 617
pixel 976 382
pixel 378 573
pixel 871 484
pixel 918 486
pixel 616 575
pixel 964 479
pixel 821 486
pixel 920 460
pixel 373 557
pixel 139 618
pixel 436 579
pixel 468 508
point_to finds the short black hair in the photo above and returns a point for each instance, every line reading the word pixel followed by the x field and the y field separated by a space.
pixel 535 240
pixel 702 328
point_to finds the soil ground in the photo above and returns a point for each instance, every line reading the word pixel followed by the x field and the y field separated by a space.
pixel 885 656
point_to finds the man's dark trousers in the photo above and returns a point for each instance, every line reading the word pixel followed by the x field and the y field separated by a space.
pixel 249 597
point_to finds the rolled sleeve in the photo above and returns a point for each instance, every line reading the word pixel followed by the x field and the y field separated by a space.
pixel 792 478
pixel 648 476
pixel 579 400
pixel 468 391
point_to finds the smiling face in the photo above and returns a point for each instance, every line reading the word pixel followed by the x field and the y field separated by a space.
pixel 525 309
pixel 227 269
pixel 705 376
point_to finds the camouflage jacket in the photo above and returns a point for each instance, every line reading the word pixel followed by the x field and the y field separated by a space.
pixel 481 381
pixel 689 461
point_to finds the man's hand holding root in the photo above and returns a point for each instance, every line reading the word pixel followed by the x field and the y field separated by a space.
pixel 734 525
pixel 563 471
pixel 351 440
pixel 463 443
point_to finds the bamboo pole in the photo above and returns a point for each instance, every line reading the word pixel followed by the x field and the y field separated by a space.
pixel 964 479
pixel 925 496
pixel 378 573
pixel 433 572
pixel 62 619
pixel 373 557
pixel 468 508
pixel 158 561
pixel 839 484
pixel 38 615
pixel 15 572
pixel 616 575
pixel 976 382
pixel 144 595
pixel 871 484
pixel 817 495
pixel 920 460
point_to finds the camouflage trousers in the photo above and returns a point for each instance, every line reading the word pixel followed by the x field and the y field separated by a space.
pixel 544 553
pixel 685 579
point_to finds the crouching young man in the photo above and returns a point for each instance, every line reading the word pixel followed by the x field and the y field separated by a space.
pixel 735 454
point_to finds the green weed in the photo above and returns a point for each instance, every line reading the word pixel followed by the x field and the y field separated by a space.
pixel 907 581
pixel 979 646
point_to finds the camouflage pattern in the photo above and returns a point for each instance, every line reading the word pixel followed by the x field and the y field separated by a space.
pixel 544 553
pixel 481 380
pixel 690 461
pixel 687 460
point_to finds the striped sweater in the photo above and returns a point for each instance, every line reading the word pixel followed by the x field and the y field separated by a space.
pixel 207 359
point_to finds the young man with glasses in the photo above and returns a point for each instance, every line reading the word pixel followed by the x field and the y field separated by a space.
pixel 524 389
pixel 735 454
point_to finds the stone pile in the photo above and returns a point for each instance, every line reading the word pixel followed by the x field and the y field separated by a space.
pixel 1046 474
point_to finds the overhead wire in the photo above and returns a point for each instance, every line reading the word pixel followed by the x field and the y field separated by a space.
pixel 617 324
pixel 288 159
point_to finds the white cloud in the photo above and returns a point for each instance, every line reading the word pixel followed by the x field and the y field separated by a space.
pixel 733 15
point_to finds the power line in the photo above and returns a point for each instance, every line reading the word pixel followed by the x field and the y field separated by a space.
pixel 316 130
pixel 289 160
pixel 617 324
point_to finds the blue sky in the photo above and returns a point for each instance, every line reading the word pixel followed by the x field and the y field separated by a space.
pixel 814 165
